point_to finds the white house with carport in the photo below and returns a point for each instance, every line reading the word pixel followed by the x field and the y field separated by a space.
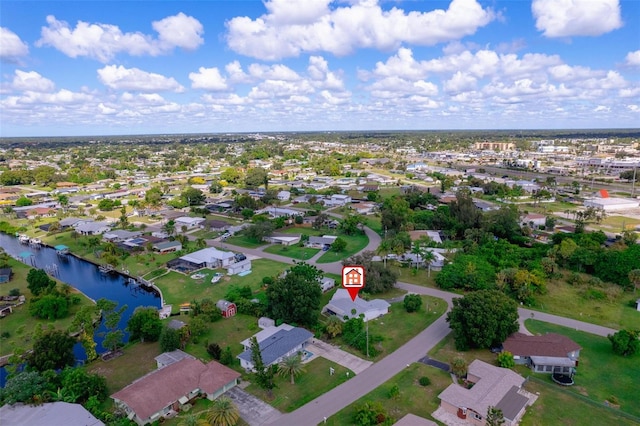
pixel 342 306
pixel 275 344
pixel 92 228
pixel 322 242
pixel 210 257
pixel 327 284
pixel 163 247
pixel 120 235
pixel 283 239
pixel 189 222
pixel 284 195
pixel 338 200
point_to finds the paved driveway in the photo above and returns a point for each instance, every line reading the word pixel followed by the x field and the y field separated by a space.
pixel 337 355
pixel 254 411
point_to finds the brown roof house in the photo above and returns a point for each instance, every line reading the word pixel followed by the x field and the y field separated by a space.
pixel 165 391
pixel 549 353
pixel 491 387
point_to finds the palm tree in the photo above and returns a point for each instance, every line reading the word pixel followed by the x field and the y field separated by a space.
pixel 428 257
pixel 334 326
pixel 201 243
pixel 169 227
pixel 634 278
pixel 223 413
pixel 291 366
pixel 193 420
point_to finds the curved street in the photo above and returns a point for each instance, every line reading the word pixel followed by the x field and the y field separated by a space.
pixel 338 398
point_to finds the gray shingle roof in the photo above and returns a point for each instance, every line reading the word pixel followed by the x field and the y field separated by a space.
pixel 279 344
pixel 512 403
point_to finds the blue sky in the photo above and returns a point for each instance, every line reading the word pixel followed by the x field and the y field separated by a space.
pixel 135 67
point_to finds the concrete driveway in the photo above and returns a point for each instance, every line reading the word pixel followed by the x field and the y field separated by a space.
pixel 337 355
pixel 254 411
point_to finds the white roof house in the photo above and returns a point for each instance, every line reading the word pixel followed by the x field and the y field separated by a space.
pixel 92 228
pixel 612 204
pixel 189 222
pixel 210 257
pixel 53 413
pixel 284 195
pixel 342 306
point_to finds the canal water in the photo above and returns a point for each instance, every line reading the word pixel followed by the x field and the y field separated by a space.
pixel 85 277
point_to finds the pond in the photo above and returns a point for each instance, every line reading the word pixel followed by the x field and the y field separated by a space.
pixel 85 277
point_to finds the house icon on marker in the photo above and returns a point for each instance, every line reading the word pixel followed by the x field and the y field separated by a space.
pixel 353 276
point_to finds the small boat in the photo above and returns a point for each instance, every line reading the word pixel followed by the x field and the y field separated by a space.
pixel 35 242
pixel 61 250
pixel 24 239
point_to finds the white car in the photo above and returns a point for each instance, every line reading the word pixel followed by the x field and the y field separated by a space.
pixel 216 277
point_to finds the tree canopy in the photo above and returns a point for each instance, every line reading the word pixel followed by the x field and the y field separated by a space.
pixel 378 278
pixel 145 324
pixel 625 342
pixel 482 319
pixel 295 298
pixel 39 282
pixel 51 351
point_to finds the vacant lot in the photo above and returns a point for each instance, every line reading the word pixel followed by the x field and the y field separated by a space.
pixel 413 398
pixel 294 251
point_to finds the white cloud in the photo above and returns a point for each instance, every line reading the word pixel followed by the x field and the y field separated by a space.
pixel 460 82
pixel 121 78
pixel 633 58
pixel 633 108
pixel 290 28
pixel 208 79
pixel 104 41
pixel 11 47
pixel 31 81
pixel 567 18
pixel 601 108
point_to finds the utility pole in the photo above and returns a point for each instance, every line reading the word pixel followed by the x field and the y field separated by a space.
pixel 367 339
pixel 633 184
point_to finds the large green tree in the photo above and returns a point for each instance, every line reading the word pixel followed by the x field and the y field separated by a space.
pixel 51 351
pixel 256 177
pixel 192 196
pixel 465 213
pixel 482 319
pixel 296 297
pixel 395 214
pixel 145 324
pixel 264 374
pixel 377 278
pixel 39 282
pixel 625 342
pixel 291 366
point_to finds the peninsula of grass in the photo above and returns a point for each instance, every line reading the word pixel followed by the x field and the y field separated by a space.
pixel 413 398
pixel 179 288
pixel 18 327
pixel 309 385
pixel 293 251
pixel 601 374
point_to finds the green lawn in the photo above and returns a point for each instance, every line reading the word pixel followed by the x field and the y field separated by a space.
pixel 601 374
pixel 293 251
pixel 567 300
pixel 225 332
pixel 445 351
pixel 179 288
pixel 398 326
pixel 374 223
pixel 20 324
pixel 314 382
pixel 420 277
pixel 556 405
pixel 415 399
pixel 243 241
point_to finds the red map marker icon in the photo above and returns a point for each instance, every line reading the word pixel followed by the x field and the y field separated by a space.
pixel 353 279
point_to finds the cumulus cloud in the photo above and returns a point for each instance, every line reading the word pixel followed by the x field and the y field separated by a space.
pixel 290 28
pixel 105 41
pixel 121 78
pixel 208 79
pixel 567 18
pixel 11 47
pixel 633 58
pixel 31 81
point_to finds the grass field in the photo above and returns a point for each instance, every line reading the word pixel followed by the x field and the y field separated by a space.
pixel 567 300
pixel 420 277
pixel 314 382
pixel 413 398
pixel 293 251
pixel 243 241
pixel 398 326
pixel 179 288
pixel 20 324
pixel 374 223
pixel 445 351
pixel 601 374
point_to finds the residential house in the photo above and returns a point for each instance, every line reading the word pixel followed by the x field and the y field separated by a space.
pixel 209 257
pixel 549 353
pixel 92 228
pixel 168 358
pixel 228 309
pixel 323 242
pixel 432 235
pixel 492 387
pixel 338 200
pixel 283 239
pixel 72 222
pixel 533 220
pixel 164 247
pixel 364 208
pixel 417 260
pixel 284 195
pixel 275 343
pixel 189 222
pixel 166 390
pixel 216 225
pixel 52 413
pixel 275 212
pixel 120 235
pixel 242 266
pixel 344 308
pixel 41 212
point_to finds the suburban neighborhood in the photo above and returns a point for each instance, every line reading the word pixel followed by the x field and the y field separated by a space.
pixel 497 280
